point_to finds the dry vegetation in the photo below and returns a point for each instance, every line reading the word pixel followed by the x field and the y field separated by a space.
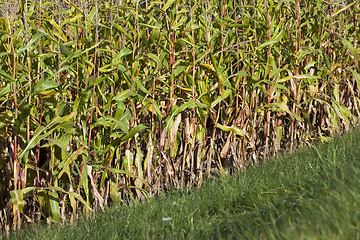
pixel 108 101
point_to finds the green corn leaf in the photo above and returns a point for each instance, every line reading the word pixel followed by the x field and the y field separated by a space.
pixel 84 183
pixel 7 76
pixel 6 118
pixel 265 44
pixel 235 130
pixel 73 194
pixel 141 87
pixel 236 25
pixel 204 93
pixel 118 171
pixel 356 76
pixel 123 53
pixel 201 56
pixel 109 121
pixel 2 32
pixel 54 206
pixel 4 90
pixel 278 86
pixel 43 199
pixel 114 194
pixel 168 4
pixel 156 59
pixel 221 97
pixel 64 50
pixel 280 106
pixel 157 110
pixel 32 40
pixel 45 85
pixel 238 74
pixel 17 197
pixel 353 51
pixel 124 95
pixel 120 29
pixel 133 131
pixel 138 160
pixel 38 135
pixel 176 110
pixel 343 9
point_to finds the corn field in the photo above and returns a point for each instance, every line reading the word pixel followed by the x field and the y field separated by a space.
pixel 105 102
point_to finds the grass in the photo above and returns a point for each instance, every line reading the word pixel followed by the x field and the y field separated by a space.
pixel 311 194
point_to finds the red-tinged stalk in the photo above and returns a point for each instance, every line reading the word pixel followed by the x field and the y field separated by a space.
pixel 16 163
pixel 223 12
pixel 38 150
pixel 39 75
pixel 153 105
pixel 255 37
pixel 53 32
pixel 267 123
pixel 59 49
pixel 193 75
pixel 28 69
pixel 135 44
pixel 297 48
pixel 171 63
pixel 78 46
pixel 193 49
pixel 208 30
pixel 96 69
pixel 297 35
pixel 111 43
pixel 77 77
pixel 171 90
pixel 298 40
pixel 237 66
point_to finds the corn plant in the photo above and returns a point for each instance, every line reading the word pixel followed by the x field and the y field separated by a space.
pixel 112 101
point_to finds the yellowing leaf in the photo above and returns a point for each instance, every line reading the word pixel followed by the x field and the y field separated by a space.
pixel 221 84
pixel 208 66
pixel 49 93
pixel 235 130
pixel 168 4
pixel 343 9
pixel 298 77
pixel 76 17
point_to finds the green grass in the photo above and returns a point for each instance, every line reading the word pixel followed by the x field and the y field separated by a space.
pixel 311 194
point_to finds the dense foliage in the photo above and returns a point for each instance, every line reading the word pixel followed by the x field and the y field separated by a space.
pixel 107 101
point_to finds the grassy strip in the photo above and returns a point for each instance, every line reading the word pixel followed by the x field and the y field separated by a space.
pixel 312 194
